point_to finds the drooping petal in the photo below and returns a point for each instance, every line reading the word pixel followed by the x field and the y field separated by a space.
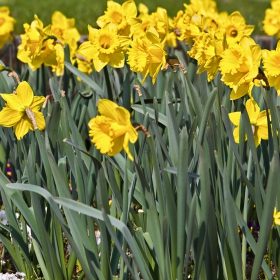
pixel 22 127
pixel 253 110
pixel 235 118
pixel 9 117
pixel 116 60
pixel 117 146
pixel 40 120
pixel 126 146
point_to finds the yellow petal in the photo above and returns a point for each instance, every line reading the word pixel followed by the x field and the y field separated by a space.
pixel 107 108
pixel 22 127
pixel 126 147
pixel 116 60
pixel 40 120
pixel 9 117
pixel 253 110
pixel 37 103
pixel 235 118
pixel 100 62
pixel 117 146
pixel 13 102
pixel 24 94
pixel 122 116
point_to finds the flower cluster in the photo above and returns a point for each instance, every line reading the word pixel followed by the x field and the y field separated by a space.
pixel 121 32
pixel 45 45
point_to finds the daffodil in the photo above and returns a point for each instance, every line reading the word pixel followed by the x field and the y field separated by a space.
pixel 6 26
pixel 239 66
pixel 64 29
pixel 121 16
pixel 271 62
pixel 146 55
pixel 160 21
pixel 258 120
pixel 276 217
pixel 39 46
pixel 233 26
pixel 112 130
pixel 271 22
pixel 104 47
pixel 207 51
pixel 195 19
pixel 19 107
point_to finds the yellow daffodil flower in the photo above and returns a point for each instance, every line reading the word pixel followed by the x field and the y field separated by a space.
pixel 271 22
pixel 233 26
pixel 271 62
pixel 258 120
pixel 239 66
pixel 64 29
pixel 196 18
pixel 160 21
pixel 146 55
pixel 207 51
pixel 119 15
pixel 276 217
pixel 39 46
pixel 17 109
pixel 104 47
pixel 6 26
pixel 112 130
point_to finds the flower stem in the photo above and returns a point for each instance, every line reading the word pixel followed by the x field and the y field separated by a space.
pixel 245 214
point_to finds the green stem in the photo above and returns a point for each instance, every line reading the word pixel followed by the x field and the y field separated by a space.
pixel 245 214
pixel 269 248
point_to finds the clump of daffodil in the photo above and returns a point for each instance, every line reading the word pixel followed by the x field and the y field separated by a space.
pixel 22 110
pixel 271 62
pixel 122 16
pixel 207 50
pixel 239 66
pixel 6 26
pixel 160 21
pixel 104 47
pixel 197 17
pixel 146 55
pixel 276 217
pixel 64 29
pixel 112 130
pixel 258 120
pixel 39 46
pixel 271 22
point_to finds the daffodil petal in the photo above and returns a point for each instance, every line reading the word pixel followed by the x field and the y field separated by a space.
pixel 24 94
pixel 117 146
pixel 13 102
pixel 235 118
pixel 126 146
pixel 22 127
pixel 37 103
pixel 9 117
pixel 107 108
pixel 40 120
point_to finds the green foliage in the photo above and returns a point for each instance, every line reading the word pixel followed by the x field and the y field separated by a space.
pixel 175 210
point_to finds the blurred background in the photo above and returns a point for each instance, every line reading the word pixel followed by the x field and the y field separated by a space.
pixel 86 11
